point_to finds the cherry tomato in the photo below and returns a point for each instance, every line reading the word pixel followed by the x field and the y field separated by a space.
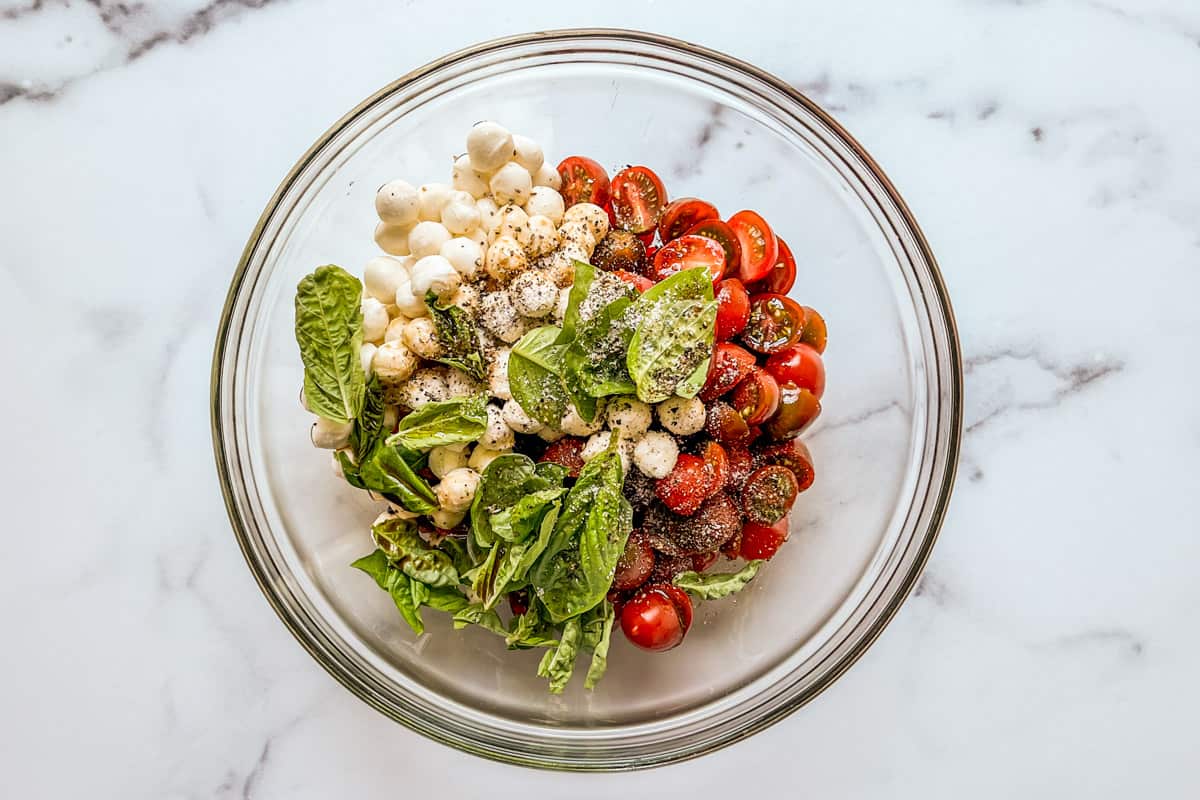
pixel 619 250
pixel 638 199
pixel 721 233
pixel 730 363
pixel 657 617
pixel 688 252
pixel 567 453
pixel 716 468
pixel 776 321
pixel 635 564
pixel 704 561
pixel 769 494
pixel 683 490
pixel 762 541
pixel 756 397
pixel 782 276
pixel 583 181
pixel 648 261
pixel 760 249
pixel 646 237
pixel 800 364
pixel 815 333
pixel 725 425
pixel 733 308
pixel 755 432
pixel 741 464
pixel 792 454
pixel 682 214
pixel 797 410
pixel 518 602
pixel 638 282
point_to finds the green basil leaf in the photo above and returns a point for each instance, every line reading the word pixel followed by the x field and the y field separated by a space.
pixel 530 630
pixel 558 664
pixel 456 335
pixel 597 633
pixel 513 559
pixel 476 614
pixel 396 584
pixel 520 520
pixel 504 483
pixel 388 472
pixel 399 540
pixel 585 274
pixel 690 386
pixel 711 586
pixel 329 333
pixel 674 336
pixel 597 356
pixel 535 367
pixel 368 429
pixel 456 421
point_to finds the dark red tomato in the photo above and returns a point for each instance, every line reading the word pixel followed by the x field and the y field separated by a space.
pixel 648 261
pixel 638 199
pixel 638 282
pixel 741 464
pixel 518 602
pixel 762 541
pixel 815 333
pixel 755 432
pixel 782 276
pixel 798 408
pixel 769 494
pixel 619 250
pixel 729 365
pixel 682 214
pixel 801 365
pixel 635 564
pixel 733 308
pixel 583 181
pixel 688 252
pixel 725 425
pixel 684 489
pixel 618 601
pixel 756 397
pixel 704 561
pixel 776 321
pixel 716 468
pixel 760 249
pixel 657 617
pixel 792 454
pixel 567 453
pixel 723 235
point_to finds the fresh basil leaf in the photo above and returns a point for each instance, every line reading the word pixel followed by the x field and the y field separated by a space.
pixel 674 336
pixel 585 275
pixel 556 474
pixel 535 367
pixel 530 630
pixel 597 356
pixel 398 538
pixel 329 333
pixel 483 577
pixel 396 584
pixel 712 586
pixel 513 559
pixel 368 429
pixel 455 421
pixel 597 633
pixel 456 335
pixel 558 664
pixel 476 614
pixel 690 386
pixel 518 521
pixel 388 472
pixel 504 483
pixel 459 555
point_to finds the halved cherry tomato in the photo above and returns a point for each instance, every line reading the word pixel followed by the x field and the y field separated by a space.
pixel 776 322
pixel 762 541
pixel 792 454
pixel 756 433
pixel 648 261
pixel 583 181
pixel 782 276
pixel 730 363
pixel 639 282
pixel 682 214
pixel 638 199
pixel 741 464
pixel 657 617
pixel 619 250
pixel 635 564
pixel 800 364
pixel 721 233
pixel 769 494
pixel 757 396
pixel 683 490
pixel 567 453
pixel 726 425
pixel 704 561
pixel 716 468
pixel 688 252
pixel 815 333
pixel 760 249
pixel 733 308
pixel 797 410
pixel 518 602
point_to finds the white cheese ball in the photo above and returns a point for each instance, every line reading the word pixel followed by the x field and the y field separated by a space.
pixel 465 178
pixel 480 237
pixel 577 235
pixel 512 183
pixel 444 460
pixel 394 363
pixel 547 202
pixel 560 305
pixel 489 145
pixel 487 213
pixel 431 199
pixel 465 255
pixel 628 414
pixel 329 435
pixel 382 276
pixel 513 222
pixel 547 176
pixel 460 214
pixel 426 386
pixel 366 354
pixel 543 236
pixel 516 418
pixel 420 336
pixel 505 259
pixel 597 443
pixel 681 416
pixel 593 215
pixel 375 319
pixel 467 298
pixel 497 436
pixel 457 489
pixel 533 293
pixel 527 153
pixel 498 375
pixel 445 520
pixel 396 203
pixel 460 384
pixel 427 238
pixel 482 456
pixel 409 302
pixel 655 454
pixel 395 329
pixel 435 274
pixel 575 425
pixel 499 317
pixel 548 434
pixel 393 239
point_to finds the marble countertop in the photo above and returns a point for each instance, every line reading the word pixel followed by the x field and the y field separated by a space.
pixel 1049 148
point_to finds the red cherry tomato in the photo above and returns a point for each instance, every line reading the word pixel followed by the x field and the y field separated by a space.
pixel 704 561
pixel 716 468
pixel 741 464
pixel 657 617
pixel 638 199
pixel 518 602
pixel 567 453
pixel 688 252
pixel 769 494
pixel 776 321
pixel 801 365
pixel 730 363
pixel 756 397
pixel 792 454
pixel 815 333
pixel 725 425
pixel 684 489
pixel 762 541
pixel 635 564
pixel 782 276
pixel 760 249
pixel 682 214
pixel 583 181
pixel 721 233
pixel 636 281
pixel 733 308
pixel 798 408
pixel 648 261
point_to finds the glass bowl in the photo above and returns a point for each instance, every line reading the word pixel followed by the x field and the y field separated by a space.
pixel 885 448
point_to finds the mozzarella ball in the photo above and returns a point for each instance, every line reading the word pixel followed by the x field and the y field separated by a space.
pixel 497 436
pixel 482 456
pixel 516 418
pixel 460 384
pixel 467 298
pixel 595 217
pixel 547 202
pixel 533 294
pixel 560 305
pixel 628 414
pixel 547 176
pixel 527 153
pixel 444 460
pixel 394 363
pixel 560 265
pixel 543 236
pixel 597 443
pixel 392 239
pixel 395 329
pixel 435 273
pixel 427 238
pixel 575 425
pixel 548 434
pixel 487 213
pixel 681 416
pixel 505 259
pixel 366 355
pixel 465 255
pixel 446 520
pixel 409 303
pixel 498 375
pixel 431 199
pixel 499 317
pixel 577 235
pixel 457 489
pixel 511 184
pixel 329 435
pixel 426 386
pixel 421 337
pixel 381 277
pixel 375 319
pixel 396 203
pixel 489 145
pixel 460 215
pixel 304 399
pixel 513 222
pixel 479 236
pixel 655 454
pixel 465 178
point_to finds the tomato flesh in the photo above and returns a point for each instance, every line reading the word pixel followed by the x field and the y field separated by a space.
pixel 619 250
pixel 583 181
pixel 680 215
pixel 762 541
pixel 635 564
pixel 801 365
pixel 756 397
pixel 721 233
pixel 794 455
pixel 716 468
pixel 657 617
pixel 769 494
pixel 729 365
pixel 776 322
pixel 518 602
pixel 725 425
pixel 567 453
pixel 688 252
pixel 782 276
pixel 638 199
pixel 733 309
pixel 639 282
pixel 741 464
pixel 760 248
pixel 704 561
pixel 684 489
pixel 815 334
pixel 798 408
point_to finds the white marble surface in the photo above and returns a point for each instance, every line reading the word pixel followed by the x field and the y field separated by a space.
pixel 1049 149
